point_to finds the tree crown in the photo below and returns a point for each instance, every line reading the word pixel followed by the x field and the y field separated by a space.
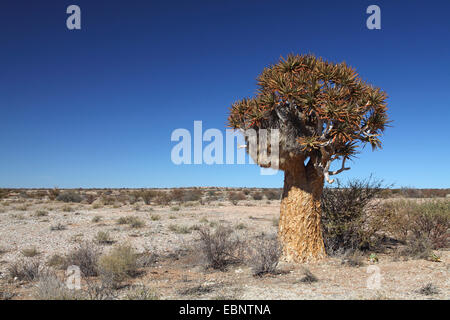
pixel 323 110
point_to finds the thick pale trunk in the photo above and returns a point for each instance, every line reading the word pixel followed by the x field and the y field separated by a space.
pixel 299 227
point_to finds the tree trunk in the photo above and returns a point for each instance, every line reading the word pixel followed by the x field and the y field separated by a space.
pixel 299 227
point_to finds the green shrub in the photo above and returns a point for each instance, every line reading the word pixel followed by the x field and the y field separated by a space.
pixel 30 252
pixel 103 237
pixel 120 263
pixel 132 221
pixel 41 213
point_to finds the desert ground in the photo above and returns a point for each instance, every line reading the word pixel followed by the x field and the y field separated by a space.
pixel 34 228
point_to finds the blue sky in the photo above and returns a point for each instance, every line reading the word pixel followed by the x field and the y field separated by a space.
pixel 96 107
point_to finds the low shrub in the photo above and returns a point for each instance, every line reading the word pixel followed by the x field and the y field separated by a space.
pixel 85 256
pixel 265 255
pixel 56 261
pixel 421 224
pixel 103 237
pixel 120 263
pixel 30 252
pixel 308 277
pixel 25 270
pixel 235 196
pixel 132 221
pixel 221 247
pixel 273 194
pixel 41 213
pixel 351 215
pixel 257 196
pixel 140 292
pixel 50 287
pixel 428 289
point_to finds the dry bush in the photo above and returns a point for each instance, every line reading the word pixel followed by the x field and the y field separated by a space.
pixel 103 237
pixel 90 198
pixel 352 258
pixel 96 219
pixel 132 221
pixel 140 292
pixel 58 227
pixel 162 198
pixel 308 277
pixel 273 194
pixel 53 193
pixel 25 270
pixel 236 196
pixel 119 264
pixel 257 195
pixel 30 252
pixel 351 215
pixel 56 261
pixel 101 290
pixel 148 195
pixel 221 247
pixel 180 229
pixel 146 259
pixel 428 289
pixel 69 196
pixel 427 222
pixel 177 195
pixel 41 213
pixel 4 193
pixel 265 255
pixel 50 287
pixel 86 257
pixel 6 294
pixel 192 195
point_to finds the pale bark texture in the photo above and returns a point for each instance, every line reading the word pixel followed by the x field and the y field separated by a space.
pixel 300 227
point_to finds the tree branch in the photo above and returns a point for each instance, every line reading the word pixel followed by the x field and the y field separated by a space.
pixel 343 168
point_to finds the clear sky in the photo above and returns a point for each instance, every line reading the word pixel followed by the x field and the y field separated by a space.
pixel 96 107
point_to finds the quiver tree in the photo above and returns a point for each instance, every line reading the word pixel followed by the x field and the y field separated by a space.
pixel 323 112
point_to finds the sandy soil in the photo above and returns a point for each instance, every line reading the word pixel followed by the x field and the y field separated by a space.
pixel 179 272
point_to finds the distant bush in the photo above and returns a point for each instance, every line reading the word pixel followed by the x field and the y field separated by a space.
pixel 56 261
pixel 103 237
pixel 69 196
pixel 53 193
pixel 221 247
pixel 272 194
pixel 257 196
pixel 30 252
pixel 4 193
pixel 132 221
pixel 162 198
pixel 148 195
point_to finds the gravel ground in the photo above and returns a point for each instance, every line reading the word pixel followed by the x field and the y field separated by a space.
pixel 21 228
